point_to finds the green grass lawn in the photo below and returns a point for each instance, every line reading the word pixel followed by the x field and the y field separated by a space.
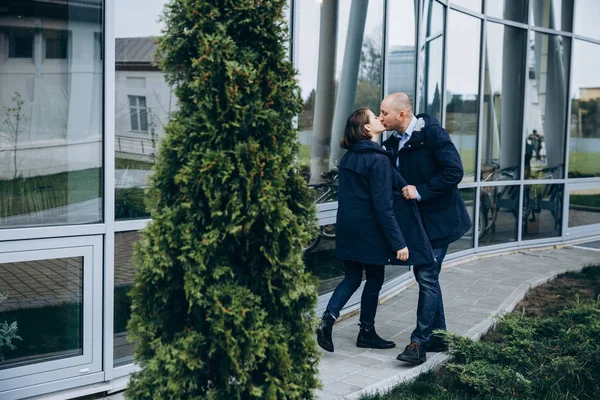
pixel 23 196
pixel 584 200
pixel 584 164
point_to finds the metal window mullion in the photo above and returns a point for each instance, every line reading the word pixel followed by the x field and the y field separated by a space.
pixel 476 209
pixel 587 39
pixel 525 98
pixel 109 188
pixel 444 66
pixel 482 56
pixel 566 194
pixel 508 22
pixel 465 10
pixel 385 49
pixel 550 31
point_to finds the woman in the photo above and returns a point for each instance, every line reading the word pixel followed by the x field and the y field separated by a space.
pixel 367 230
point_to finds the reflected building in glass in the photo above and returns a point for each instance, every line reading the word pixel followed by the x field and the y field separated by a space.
pixel 83 107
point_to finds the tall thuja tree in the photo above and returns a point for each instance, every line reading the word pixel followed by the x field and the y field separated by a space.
pixel 222 307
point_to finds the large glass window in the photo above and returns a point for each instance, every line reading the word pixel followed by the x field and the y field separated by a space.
pixel 514 10
pixel 465 242
pixel 474 5
pixel 144 102
pixel 50 115
pixel 124 274
pixel 44 301
pixel 432 55
pixel 545 121
pixel 498 214
pixel 462 87
pixel 584 207
pixel 542 211
pixel 401 60
pixel 584 144
pixel 587 15
pixel 553 14
pixel 332 83
pixel 504 77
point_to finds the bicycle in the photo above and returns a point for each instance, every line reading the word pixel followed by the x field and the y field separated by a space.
pixel 325 192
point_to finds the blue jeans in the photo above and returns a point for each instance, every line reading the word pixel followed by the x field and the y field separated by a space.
pixel 347 287
pixel 430 310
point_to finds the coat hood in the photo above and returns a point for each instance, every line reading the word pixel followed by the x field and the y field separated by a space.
pixel 428 119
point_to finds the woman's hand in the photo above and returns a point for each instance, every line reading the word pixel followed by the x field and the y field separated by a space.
pixel 402 254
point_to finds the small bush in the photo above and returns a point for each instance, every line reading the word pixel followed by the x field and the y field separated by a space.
pixel 539 358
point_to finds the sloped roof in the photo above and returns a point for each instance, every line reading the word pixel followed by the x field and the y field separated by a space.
pixel 136 50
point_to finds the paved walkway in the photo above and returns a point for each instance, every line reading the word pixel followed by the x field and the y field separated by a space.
pixel 474 292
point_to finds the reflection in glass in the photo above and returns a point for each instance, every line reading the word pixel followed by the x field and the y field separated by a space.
pixel 334 83
pixel 401 52
pixel 504 78
pixel 45 300
pixel 322 262
pixel 584 207
pixel 433 13
pixel 462 87
pixel 584 144
pixel 50 115
pixel 542 211
pixel 474 5
pixel 546 104
pixel 144 102
pixel 465 242
pixel 553 14
pixel 498 213
pixel 514 10
pixel 124 274
pixel 587 15
pixel 430 63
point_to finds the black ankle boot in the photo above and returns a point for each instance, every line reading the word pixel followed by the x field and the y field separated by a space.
pixel 324 332
pixel 370 339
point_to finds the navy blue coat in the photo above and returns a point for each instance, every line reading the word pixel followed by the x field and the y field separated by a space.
pixel 409 219
pixel 366 229
pixel 430 161
pixel 360 237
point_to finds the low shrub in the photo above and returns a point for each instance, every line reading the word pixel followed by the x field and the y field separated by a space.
pixel 556 357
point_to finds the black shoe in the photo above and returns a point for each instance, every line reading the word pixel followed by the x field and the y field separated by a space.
pixel 324 332
pixel 435 345
pixel 370 339
pixel 413 353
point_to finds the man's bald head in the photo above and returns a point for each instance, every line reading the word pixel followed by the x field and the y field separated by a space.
pixel 400 102
pixel 396 112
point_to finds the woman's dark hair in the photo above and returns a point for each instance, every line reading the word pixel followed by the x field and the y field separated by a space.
pixel 355 128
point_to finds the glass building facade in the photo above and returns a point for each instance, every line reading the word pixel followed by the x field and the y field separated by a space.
pixel 83 107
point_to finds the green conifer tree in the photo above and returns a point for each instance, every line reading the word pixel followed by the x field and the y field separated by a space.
pixel 222 306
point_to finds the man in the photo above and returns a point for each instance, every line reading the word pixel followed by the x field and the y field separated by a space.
pixel 430 163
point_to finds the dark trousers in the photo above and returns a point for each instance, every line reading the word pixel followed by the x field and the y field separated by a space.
pixel 347 287
pixel 430 309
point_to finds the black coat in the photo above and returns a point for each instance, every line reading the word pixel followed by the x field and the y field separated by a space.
pixel 430 161
pixel 366 229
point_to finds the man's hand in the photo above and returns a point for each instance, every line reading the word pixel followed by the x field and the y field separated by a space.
pixel 402 254
pixel 409 192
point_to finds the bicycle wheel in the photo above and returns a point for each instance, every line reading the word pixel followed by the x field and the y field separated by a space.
pixel 314 242
pixel 328 231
